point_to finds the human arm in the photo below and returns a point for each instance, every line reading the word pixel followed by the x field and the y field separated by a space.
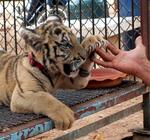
pixel 133 62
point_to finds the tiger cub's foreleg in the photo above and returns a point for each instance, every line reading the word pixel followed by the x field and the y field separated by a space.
pixel 90 43
pixel 43 103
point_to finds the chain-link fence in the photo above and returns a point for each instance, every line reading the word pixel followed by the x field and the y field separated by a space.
pixel 117 20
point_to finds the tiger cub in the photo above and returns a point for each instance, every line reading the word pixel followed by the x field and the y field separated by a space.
pixel 54 60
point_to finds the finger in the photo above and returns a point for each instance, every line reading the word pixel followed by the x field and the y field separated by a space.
pixel 113 49
pixel 138 42
pixel 103 63
pixel 104 55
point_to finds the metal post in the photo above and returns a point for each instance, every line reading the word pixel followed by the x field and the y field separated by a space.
pixel 145 24
pixel 146 110
pixel 144 134
pixel 145 21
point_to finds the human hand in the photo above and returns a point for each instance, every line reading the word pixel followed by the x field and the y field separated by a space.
pixel 126 61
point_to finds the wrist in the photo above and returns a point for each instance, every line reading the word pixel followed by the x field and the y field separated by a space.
pixel 144 71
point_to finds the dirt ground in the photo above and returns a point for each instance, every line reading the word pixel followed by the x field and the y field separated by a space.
pixel 114 131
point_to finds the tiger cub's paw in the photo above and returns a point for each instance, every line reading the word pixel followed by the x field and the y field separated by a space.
pixel 90 43
pixel 62 116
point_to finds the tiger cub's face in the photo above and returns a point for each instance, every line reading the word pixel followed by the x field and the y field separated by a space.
pixel 56 47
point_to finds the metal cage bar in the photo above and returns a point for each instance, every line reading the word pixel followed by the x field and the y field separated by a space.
pixel 145 18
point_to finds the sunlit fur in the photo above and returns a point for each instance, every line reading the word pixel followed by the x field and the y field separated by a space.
pixel 26 88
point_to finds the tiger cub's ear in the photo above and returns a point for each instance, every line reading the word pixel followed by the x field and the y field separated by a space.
pixel 34 40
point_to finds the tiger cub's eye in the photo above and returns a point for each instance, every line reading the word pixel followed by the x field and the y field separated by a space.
pixel 57 31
